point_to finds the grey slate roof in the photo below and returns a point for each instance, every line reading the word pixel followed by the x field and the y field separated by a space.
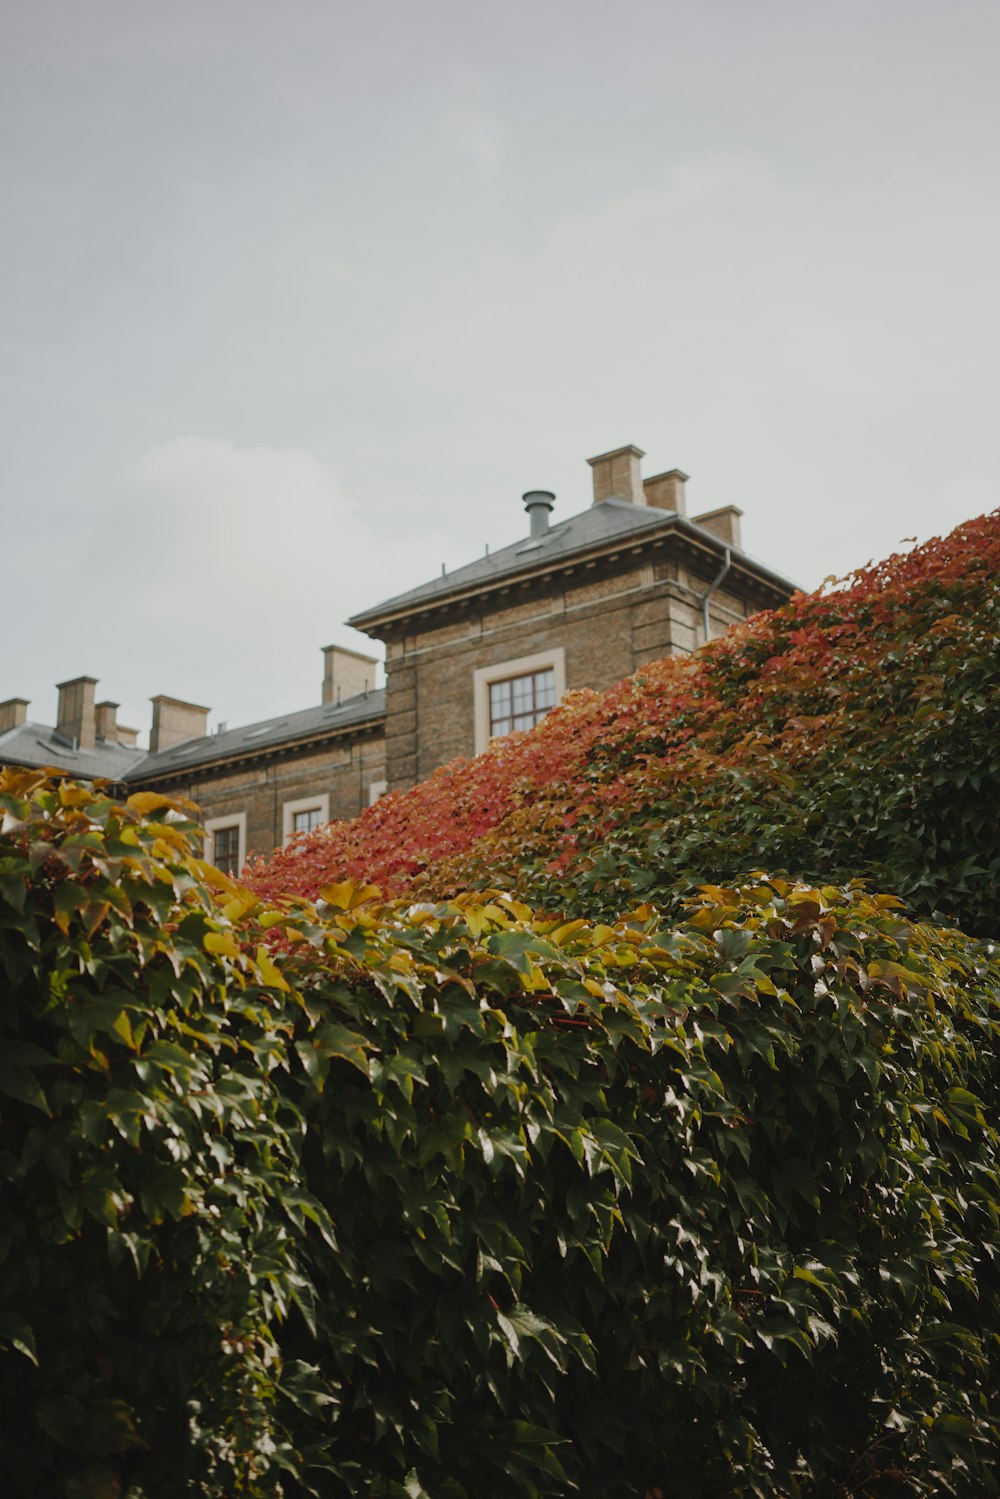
pixel 284 729
pixel 38 745
pixel 611 521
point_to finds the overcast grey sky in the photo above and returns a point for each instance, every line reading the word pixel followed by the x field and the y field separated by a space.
pixel 298 298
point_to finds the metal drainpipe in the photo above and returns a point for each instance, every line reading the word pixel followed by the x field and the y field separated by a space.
pixel 706 598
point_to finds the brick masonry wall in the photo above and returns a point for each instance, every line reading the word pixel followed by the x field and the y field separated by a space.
pixel 608 625
pixel 344 772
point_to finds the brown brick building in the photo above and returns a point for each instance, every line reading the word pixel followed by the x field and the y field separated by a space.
pixel 483 650
pixel 256 785
pixel 579 603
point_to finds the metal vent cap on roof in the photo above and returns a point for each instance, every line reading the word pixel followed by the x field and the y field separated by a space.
pixel 538 503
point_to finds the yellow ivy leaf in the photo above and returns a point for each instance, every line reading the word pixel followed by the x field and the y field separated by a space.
pixel 168 835
pixel 222 943
pixel 339 895
pixel 517 908
pixel 719 895
pixel 237 908
pixel 269 974
pixel 74 796
pixel 213 876
pixel 563 933
pixel 476 919
pixel 348 894
pixel 145 802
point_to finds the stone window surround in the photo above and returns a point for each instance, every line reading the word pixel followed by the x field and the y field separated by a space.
pixel 482 678
pixel 216 824
pixel 319 801
pixel 375 790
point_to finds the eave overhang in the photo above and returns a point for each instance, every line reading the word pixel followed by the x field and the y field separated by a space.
pixel 695 543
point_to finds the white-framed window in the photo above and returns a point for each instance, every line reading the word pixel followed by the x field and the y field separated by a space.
pixel 226 842
pixel 521 702
pixel 375 790
pixel 516 694
pixel 303 815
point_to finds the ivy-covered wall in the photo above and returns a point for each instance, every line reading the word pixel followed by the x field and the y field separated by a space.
pixel 853 733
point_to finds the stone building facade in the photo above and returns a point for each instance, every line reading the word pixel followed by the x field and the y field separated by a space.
pixel 256 785
pixel 485 649
pixel 580 603
pixel 260 785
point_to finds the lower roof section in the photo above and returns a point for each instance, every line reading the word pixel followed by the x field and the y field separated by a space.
pixel 328 719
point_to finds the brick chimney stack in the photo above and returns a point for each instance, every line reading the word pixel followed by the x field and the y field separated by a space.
pixel 174 721
pixel 13 713
pixel 346 673
pixel 666 491
pixel 617 475
pixel 107 721
pixel 725 522
pixel 75 717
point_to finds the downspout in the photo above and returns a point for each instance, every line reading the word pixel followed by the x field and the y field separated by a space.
pixel 707 597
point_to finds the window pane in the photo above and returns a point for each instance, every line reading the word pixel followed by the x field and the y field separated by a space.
pixel 500 699
pixel 545 689
pixel 523 693
pixel 521 702
pixel 305 821
pixel 226 849
pixel 500 707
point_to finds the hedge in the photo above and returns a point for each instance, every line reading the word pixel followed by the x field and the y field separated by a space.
pixel 367 1197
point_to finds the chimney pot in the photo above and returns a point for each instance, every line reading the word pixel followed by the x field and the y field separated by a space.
pixel 13 713
pixel 618 476
pixel 539 503
pixel 75 717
